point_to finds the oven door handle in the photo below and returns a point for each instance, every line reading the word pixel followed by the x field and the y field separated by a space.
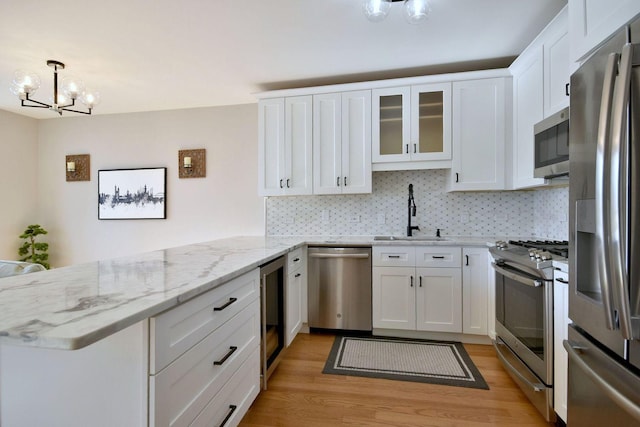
pixel 535 283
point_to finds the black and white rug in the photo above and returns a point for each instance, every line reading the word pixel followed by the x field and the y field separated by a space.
pixel 436 362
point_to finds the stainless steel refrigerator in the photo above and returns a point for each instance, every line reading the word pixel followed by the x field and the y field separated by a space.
pixel 604 236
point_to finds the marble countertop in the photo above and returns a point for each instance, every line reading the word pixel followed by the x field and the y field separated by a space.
pixel 72 307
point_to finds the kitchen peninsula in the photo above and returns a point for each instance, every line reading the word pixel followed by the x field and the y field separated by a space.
pixel 105 312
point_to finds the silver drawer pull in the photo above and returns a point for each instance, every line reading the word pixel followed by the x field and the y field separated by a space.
pixel 232 409
pixel 226 356
pixel 227 304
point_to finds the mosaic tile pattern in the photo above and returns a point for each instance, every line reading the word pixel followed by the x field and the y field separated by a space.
pixel 499 213
pixel 552 213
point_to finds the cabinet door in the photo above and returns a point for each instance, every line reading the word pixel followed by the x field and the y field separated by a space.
pixel 271 157
pixel 327 144
pixel 297 143
pixel 527 111
pixel 592 22
pixel 475 291
pixel 394 299
pixel 391 129
pixel 556 66
pixel 356 142
pixel 439 300
pixel 478 135
pixel 431 122
pixel 293 320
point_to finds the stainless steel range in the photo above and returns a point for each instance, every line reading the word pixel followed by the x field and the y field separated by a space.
pixel 524 315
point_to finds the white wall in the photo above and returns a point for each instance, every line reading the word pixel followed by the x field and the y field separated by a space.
pixel 18 179
pixel 223 204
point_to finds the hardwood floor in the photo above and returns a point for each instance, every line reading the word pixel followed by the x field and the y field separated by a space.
pixel 300 395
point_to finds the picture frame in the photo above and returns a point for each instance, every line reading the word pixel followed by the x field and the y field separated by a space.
pixel 132 193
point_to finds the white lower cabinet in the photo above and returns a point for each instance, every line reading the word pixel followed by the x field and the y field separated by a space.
pixel 415 297
pixel 187 388
pixel 432 289
pixel 475 291
pixel 296 293
pixel 560 333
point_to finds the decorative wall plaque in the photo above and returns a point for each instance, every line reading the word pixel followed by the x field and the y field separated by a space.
pixel 192 163
pixel 78 167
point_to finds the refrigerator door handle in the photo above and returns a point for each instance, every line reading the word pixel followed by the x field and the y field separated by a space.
pixel 603 177
pixel 573 351
pixel 618 215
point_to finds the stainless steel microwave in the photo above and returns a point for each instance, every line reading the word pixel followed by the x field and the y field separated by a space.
pixel 551 149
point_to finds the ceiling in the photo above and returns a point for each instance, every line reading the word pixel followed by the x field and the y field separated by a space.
pixel 146 55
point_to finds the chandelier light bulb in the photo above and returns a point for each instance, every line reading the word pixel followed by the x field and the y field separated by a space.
pixel 90 99
pixel 376 10
pixel 417 11
pixel 27 82
pixel 72 87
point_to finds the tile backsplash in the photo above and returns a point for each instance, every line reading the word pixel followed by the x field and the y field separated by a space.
pixel 541 213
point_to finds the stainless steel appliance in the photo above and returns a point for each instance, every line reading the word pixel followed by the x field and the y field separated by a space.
pixel 524 315
pixel 272 306
pixel 551 146
pixel 340 288
pixel 604 230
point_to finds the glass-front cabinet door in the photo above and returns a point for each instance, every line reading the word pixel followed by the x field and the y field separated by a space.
pixel 412 123
pixel 391 127
pixel 431 122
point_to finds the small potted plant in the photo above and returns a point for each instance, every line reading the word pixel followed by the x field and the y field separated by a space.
pixel 32 251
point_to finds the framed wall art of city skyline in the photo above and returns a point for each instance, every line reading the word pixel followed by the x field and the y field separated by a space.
pixel 132 193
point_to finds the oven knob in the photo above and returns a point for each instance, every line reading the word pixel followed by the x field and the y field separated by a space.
pixel 545 256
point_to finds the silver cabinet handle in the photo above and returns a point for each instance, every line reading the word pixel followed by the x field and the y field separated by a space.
pixel 618 216
pixel 614 394
pixel 603 175
pixel 518 278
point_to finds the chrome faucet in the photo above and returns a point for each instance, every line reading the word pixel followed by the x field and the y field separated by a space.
pixel 411 211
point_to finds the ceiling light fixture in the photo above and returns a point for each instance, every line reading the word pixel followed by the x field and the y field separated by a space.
pixel 416 11
pixel 25 84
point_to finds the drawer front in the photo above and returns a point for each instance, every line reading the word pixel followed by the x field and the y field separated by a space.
pixel 393 256
pixel 296 259
pixel 177 330
pixel 184 388
pixel 439 256
pixel 235 398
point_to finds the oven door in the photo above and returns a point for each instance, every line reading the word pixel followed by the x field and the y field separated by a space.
pixel 524 310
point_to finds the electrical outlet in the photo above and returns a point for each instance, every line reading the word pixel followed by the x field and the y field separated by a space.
pixel 325 215
pixel 382 219
pixel 289 220
pixel 354 218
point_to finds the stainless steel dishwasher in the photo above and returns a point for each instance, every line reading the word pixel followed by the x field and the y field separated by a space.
pixel 340 288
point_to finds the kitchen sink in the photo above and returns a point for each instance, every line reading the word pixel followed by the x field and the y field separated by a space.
pixel 411 238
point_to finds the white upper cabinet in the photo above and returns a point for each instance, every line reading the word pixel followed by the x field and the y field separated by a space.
pixel 285 141
pixel 591 22
pixel 479 134
pixel 555 42
pixel 411 127
pixel 528 102
pixel 540 89
pixel 342 143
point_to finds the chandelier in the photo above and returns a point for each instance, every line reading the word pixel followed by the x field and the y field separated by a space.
pixel 416 11
pixel 25 83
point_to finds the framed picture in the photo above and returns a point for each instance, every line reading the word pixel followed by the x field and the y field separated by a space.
pixel 132 193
